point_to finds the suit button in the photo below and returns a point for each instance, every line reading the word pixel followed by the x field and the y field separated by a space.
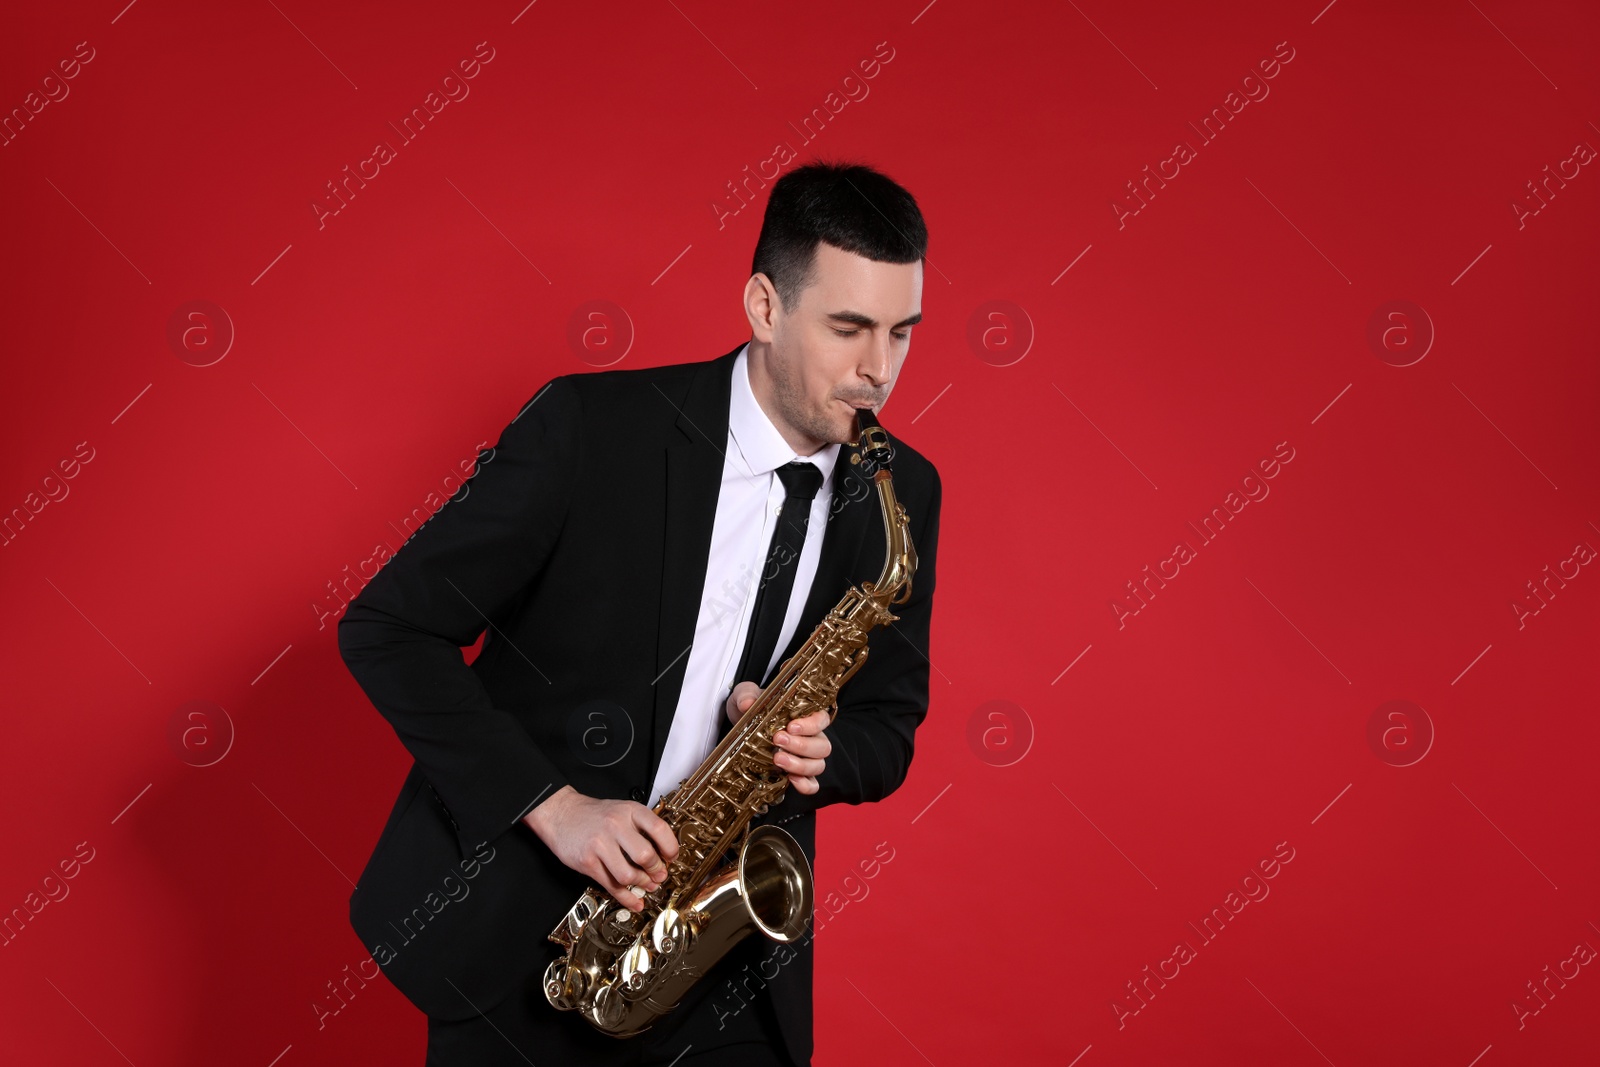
pixel 637 793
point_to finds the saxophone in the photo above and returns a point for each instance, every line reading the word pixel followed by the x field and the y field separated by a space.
pixel 622 970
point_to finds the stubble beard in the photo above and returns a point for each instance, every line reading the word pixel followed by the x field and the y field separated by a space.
pixel 792 405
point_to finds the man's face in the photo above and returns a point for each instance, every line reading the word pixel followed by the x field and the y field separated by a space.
pixel 842 344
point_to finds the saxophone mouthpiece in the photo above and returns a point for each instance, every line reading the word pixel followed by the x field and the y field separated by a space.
pixel 872 441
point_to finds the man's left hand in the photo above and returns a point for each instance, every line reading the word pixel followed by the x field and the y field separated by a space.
pixel 802 746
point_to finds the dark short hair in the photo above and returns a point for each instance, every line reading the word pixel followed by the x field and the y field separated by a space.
pixel 848 205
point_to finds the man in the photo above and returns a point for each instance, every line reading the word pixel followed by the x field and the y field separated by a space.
pixel 618 544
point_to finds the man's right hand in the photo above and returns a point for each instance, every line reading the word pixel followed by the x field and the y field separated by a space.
pixel 618 843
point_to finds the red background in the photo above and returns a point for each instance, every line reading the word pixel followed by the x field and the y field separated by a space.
pixel 1110 405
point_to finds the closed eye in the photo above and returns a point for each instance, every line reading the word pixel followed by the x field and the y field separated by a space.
pixel 852 333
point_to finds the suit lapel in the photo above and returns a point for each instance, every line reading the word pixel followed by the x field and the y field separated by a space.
pixel 693 466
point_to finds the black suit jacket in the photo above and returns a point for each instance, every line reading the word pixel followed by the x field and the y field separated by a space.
pixel 581 544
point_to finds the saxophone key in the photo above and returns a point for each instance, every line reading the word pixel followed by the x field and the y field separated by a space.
pixel 633 969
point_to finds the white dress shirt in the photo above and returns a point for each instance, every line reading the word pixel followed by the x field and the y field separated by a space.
pixel 748 502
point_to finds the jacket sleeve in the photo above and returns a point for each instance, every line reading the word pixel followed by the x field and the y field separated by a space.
pixel 882 705
pixel 401 637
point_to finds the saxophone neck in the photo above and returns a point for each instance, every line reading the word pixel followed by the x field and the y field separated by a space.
pixel 874 451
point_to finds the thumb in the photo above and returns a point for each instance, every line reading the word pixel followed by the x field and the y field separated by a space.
pixel 739 700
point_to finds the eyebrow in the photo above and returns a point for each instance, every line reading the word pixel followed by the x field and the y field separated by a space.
pixel 868 322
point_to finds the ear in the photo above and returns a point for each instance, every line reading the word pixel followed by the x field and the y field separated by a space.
pixel 761 307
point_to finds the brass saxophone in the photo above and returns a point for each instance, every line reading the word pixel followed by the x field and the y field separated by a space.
pixel 623 970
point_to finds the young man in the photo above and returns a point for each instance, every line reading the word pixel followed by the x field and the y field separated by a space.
pixel 618 544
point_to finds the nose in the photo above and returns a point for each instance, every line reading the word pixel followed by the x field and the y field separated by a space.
pixel 877 366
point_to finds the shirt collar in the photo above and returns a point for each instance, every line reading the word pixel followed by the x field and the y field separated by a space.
pixel 759 443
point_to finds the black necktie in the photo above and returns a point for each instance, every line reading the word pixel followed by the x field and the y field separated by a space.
pixel 800 482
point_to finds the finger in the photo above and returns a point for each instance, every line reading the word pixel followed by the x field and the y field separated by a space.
pixel 623 869
pixel 814 723
pixel 619 893
pixel 659 832
pixel 817 747
pixel 641 850
pixel 638 852
pixel 624 874
pixel 804 784
pixel 603 879
pixel 799 765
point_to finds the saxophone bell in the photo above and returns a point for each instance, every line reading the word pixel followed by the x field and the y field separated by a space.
pixel 622 979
